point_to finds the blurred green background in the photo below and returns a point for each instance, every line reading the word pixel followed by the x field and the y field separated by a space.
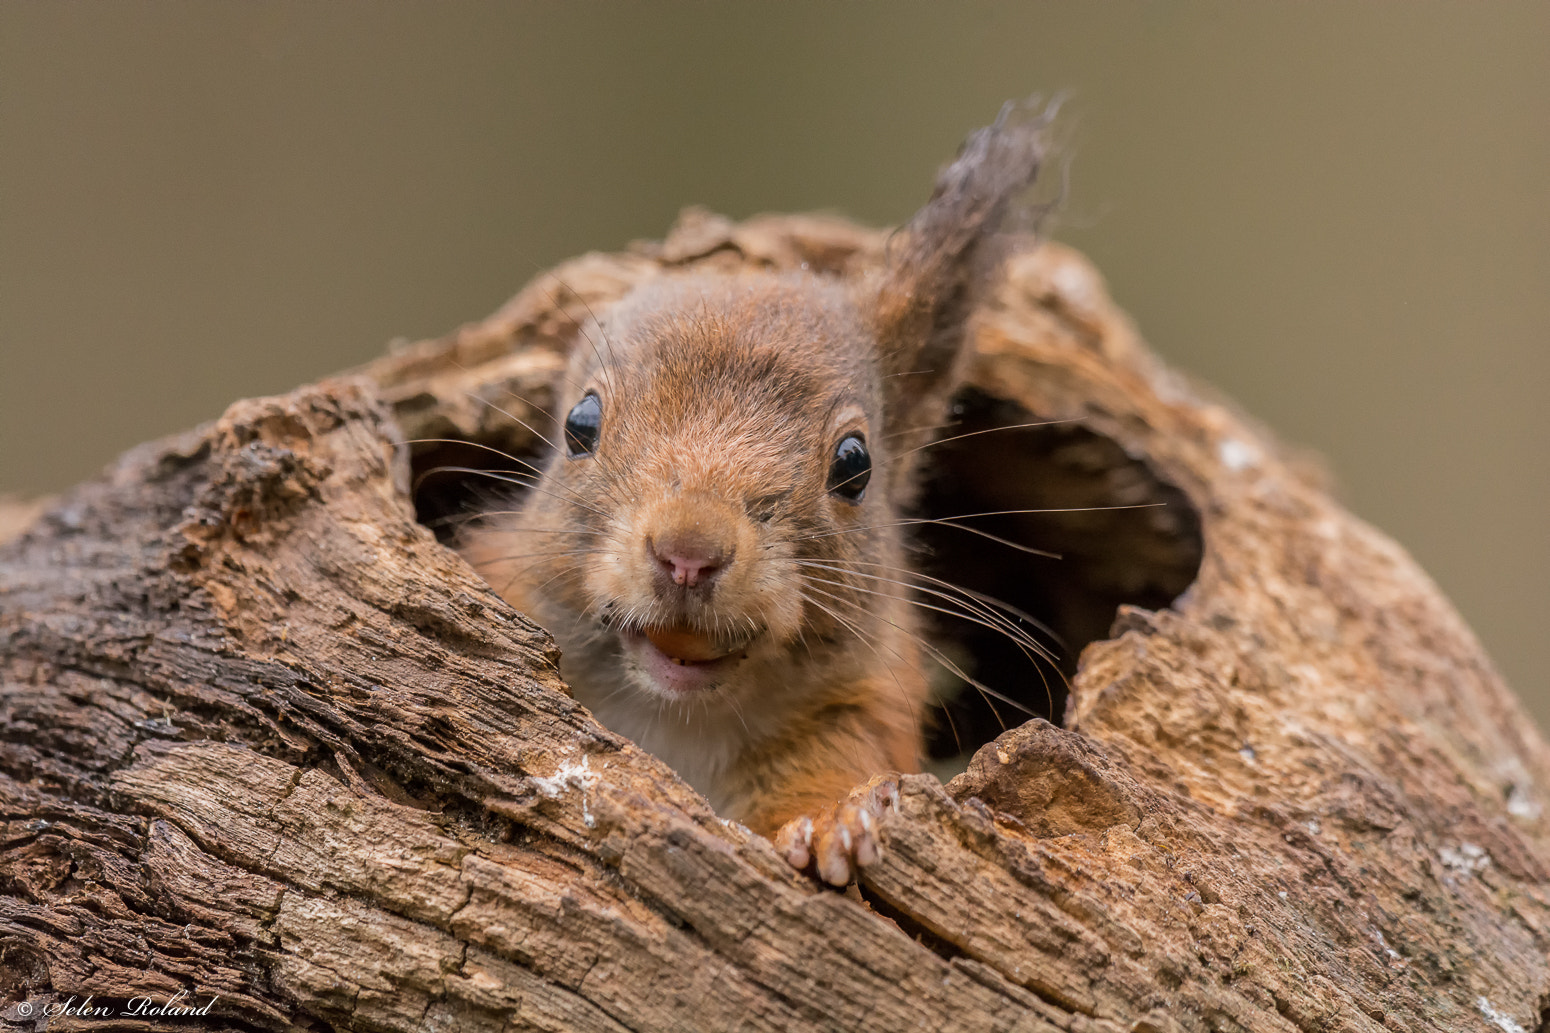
pixel 1340 214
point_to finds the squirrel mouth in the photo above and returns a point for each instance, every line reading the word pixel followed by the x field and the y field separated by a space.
pixel 678 662
pixel 685 646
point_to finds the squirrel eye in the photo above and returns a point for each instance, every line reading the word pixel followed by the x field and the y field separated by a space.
pixel 583 425
pixel 850 469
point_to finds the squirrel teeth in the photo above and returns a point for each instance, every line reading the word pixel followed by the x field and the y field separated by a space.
pixel 685 646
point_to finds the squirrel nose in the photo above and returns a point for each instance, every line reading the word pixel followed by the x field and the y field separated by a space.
pixel 688 560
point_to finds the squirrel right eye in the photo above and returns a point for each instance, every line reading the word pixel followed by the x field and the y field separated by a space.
pixel 850 469
pixel 583 426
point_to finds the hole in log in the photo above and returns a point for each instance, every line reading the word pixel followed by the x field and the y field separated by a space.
pixel 447 497
pixel 1144 557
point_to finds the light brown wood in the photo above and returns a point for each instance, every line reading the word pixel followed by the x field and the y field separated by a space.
pixel 262 738
pixel 17 514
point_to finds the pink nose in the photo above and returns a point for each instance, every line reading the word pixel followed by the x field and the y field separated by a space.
pixel 688 560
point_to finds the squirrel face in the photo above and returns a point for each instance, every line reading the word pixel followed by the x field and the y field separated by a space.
pixel 716 543
pixel 719 441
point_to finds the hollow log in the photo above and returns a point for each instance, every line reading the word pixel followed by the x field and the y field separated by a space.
pixel 273 758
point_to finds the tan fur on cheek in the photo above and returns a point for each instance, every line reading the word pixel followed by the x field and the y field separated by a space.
pixel 607 578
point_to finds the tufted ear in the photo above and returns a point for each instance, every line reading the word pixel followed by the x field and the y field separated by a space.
pixel 936 264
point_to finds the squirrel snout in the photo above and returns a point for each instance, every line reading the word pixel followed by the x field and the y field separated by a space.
pixel 687 559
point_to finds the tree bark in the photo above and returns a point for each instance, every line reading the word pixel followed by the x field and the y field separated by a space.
pixel 266 742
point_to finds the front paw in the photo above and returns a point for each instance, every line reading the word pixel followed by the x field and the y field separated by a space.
pixel 842 838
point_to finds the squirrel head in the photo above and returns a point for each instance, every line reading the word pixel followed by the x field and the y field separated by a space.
pixel 736 449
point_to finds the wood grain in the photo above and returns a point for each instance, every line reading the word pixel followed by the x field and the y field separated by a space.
pixel 264 739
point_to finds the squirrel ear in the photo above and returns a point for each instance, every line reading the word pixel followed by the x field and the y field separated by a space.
pixel 934 265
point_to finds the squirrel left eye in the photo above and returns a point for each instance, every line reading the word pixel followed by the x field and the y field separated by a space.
pixel 850 469
pixel 583 426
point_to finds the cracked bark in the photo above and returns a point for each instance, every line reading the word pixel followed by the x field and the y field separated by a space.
pixel 265 740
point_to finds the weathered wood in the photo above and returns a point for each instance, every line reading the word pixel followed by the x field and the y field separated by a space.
pixel 17 514
pixel 263 739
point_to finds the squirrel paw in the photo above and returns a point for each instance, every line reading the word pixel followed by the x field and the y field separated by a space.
pixel 841 838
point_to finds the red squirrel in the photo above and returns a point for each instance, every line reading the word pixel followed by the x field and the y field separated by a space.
pixel 711 543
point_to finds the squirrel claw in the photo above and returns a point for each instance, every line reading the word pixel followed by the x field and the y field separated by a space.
pixel 841 839
pixel 794 842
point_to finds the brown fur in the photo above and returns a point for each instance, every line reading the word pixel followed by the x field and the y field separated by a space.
pixel 723 399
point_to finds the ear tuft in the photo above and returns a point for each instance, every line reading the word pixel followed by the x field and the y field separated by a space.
pixel 937 261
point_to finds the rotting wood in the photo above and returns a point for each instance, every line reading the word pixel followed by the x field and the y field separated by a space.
pixel 263 739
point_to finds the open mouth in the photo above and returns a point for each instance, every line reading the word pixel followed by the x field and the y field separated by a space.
pixel 684 645
pixel 682 660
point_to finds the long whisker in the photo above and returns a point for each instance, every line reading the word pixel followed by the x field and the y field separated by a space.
pixel 1016 635
pixel 942 659
pixel 982 608
pixel 545 555
pixel 978 612
pixel 1056 509
pixel 1031 650
pixel 549 415
pixel 521 423
pixel 993 430
pixel 508 478
pixel 595 321
pixel 525 401
pixel 605 368
pixel 574 568
pixel 602 365
pixel 472 444
pixel 736 709
pixel 609 471
pixel 971 593
pixel 936 654
pixel 535 471
pixel 902 431
pixel 809 600
pixel 951 522
pixel 974 613
pixel 1019 546
pixel 956 437
pixel 482 514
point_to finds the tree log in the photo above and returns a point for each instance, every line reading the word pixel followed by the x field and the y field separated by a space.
pixel 266 742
